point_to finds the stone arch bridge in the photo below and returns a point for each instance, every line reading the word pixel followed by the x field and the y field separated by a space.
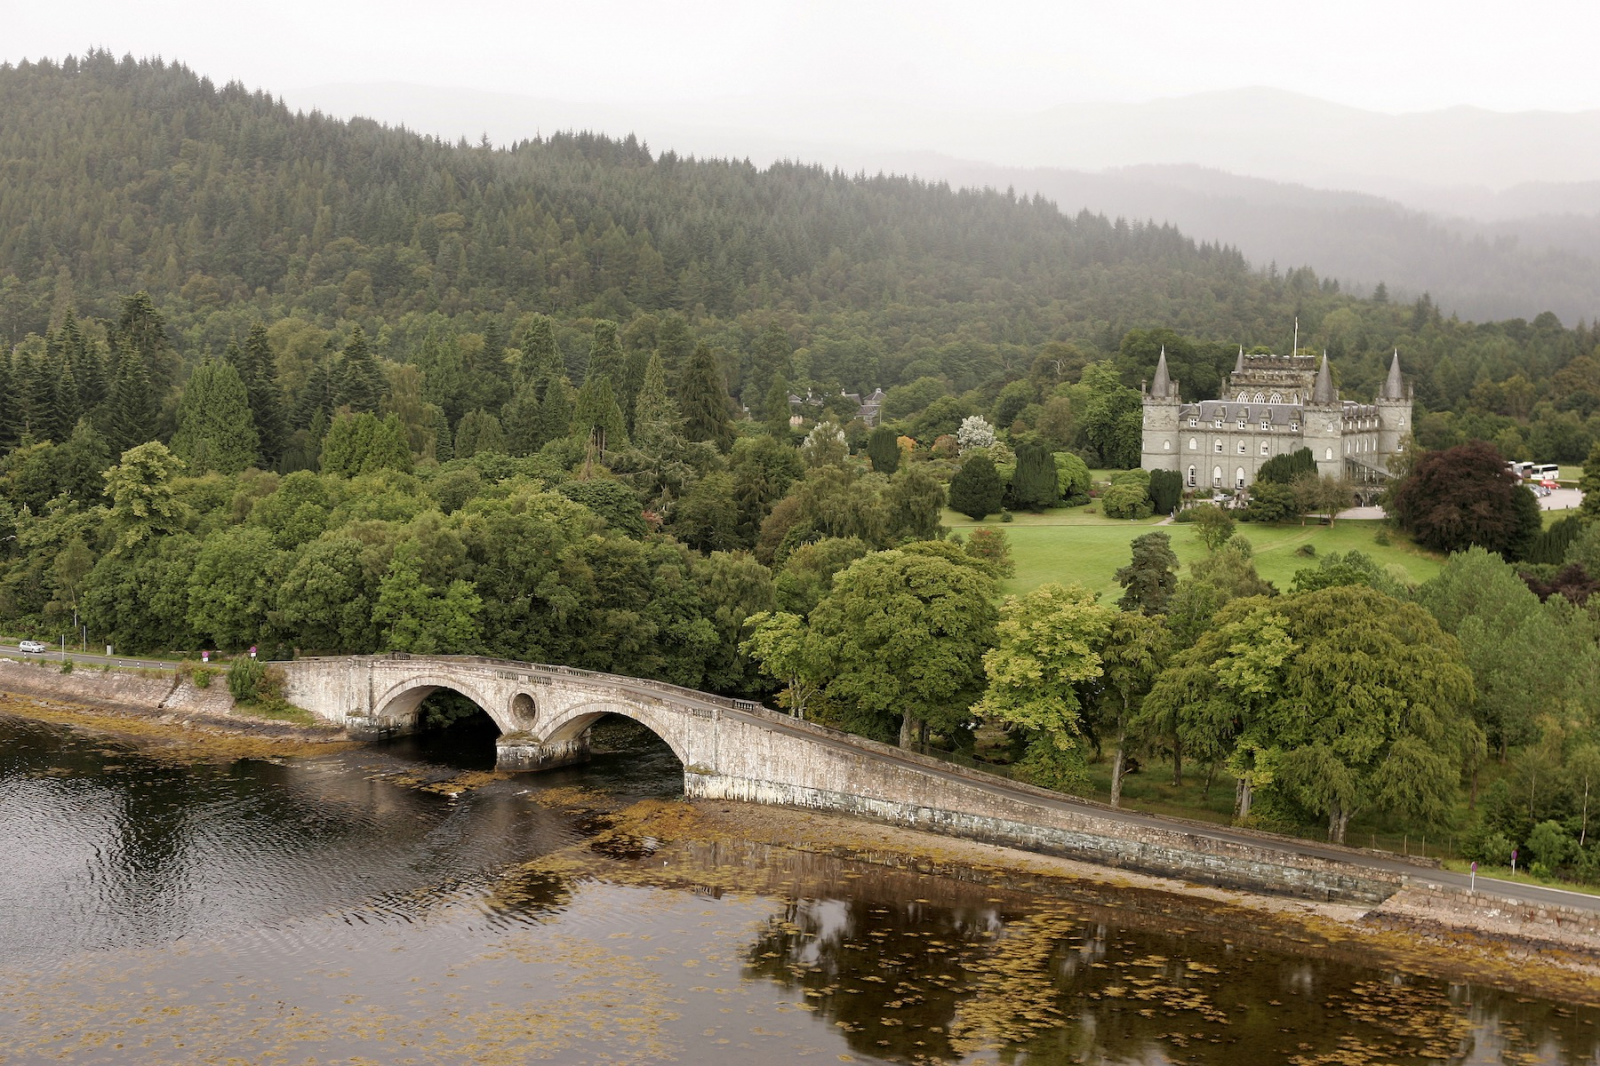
pixel 735 749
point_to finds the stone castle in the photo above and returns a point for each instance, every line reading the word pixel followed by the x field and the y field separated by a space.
pixel 1273 405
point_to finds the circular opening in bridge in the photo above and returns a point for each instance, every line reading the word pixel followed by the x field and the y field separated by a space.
pixel 629 758
pixel 523 709
pixel 452 731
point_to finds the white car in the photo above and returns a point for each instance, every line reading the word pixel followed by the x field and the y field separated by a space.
pixel 33 647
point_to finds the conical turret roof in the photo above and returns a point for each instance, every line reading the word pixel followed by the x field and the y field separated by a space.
pixel 1161 386
pixel 1394 388
pixel 1322 392
pixel 1238 364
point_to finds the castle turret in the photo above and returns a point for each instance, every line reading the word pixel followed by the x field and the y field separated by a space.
pixel 1160 447
pixel 1394 412
pixel 1324 423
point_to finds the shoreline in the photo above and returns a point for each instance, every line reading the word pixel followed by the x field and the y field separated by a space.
pixel 1413 930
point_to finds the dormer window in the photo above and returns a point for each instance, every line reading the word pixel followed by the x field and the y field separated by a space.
pixel 1242 423
pixel 1193 422
pixel 1294 427
pixel 1222 413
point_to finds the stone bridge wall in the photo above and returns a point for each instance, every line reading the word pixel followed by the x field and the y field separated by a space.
pixel 737 750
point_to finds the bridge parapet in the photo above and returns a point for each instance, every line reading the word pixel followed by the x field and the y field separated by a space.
pixel 733 749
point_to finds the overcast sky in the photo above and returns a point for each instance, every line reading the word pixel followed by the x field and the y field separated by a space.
pixel 1003 54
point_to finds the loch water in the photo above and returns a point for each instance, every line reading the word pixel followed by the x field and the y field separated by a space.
pixel 397 904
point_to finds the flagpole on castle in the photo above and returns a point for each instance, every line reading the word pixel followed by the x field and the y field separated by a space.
pixel 1296 349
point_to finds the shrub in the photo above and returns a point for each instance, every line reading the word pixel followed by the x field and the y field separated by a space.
pixel 1307 550
pixel 244 678
pixel 976 490
pixel 1006 516
pixel 1127 499
pixel 66 666
pixel 1381 538
pixel 203 676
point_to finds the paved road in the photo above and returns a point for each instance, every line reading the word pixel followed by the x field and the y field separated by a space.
pixel 10 651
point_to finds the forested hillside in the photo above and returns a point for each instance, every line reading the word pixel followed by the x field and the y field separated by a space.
pixel 319 386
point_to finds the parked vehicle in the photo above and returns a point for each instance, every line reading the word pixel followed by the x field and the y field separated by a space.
pixel 33 647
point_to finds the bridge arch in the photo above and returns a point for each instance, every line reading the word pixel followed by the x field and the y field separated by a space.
pixel 570 723
pixel 400 703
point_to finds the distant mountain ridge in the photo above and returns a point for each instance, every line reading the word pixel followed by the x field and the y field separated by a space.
pixel 1481 252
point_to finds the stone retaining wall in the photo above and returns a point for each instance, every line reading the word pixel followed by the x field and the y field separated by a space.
pixel 1422 904
pixel 120 690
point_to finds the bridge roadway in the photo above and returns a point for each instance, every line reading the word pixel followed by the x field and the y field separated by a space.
pixel 1397 866
pixel 736 749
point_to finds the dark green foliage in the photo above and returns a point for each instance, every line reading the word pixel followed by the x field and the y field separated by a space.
pixel 611 500
pixel 1285 468
pixel 1271 501
pixel 883 450
pixel 703 399
pixel 1034 486
pixel 1550 545
pixel 258 370
pixel 1151 575
pixel 1166 490
pixel 976 489
pixel 361 444
pixel 216 430
pixel 358 383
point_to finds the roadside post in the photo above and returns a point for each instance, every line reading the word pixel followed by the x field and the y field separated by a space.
pixel 1472 885
pixel 252 651
pixel 1513 862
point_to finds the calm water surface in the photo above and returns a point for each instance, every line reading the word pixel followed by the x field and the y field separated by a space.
pixel 366 908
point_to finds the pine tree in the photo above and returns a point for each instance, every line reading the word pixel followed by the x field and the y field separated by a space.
pixel 439 428
pixel 520 420
pixel 655 416
pixel 215 428
pixel 606 359
pixel 555 410
pixel 703 398
pixel 479 432
pixel 142 330
pixel 632 382
pixel 360 384
pixel 259 370
pixel 540 356
pixel 675 345
pixel 775 411
pixel 596 418
pixel 10 422
pixel 133 407
pixel 316 398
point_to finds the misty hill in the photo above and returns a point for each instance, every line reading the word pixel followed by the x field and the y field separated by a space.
pixel 1480 252
pixel 1512 268
pixel 226 205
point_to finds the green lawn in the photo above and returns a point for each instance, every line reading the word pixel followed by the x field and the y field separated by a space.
pixel 1071 545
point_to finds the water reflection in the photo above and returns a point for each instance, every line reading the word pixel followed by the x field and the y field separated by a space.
pixel 364 906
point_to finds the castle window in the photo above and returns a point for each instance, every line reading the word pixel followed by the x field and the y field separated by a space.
pixel 1263 447
pixel 1258 397
pixel 1241 447
pixel 1166 445
pixel 1216 475
pixel 1216 445
pixel 1193 422
pixel 1243 398
pixel 1191 477
pixel 1238 477
pixel 1294 427
pixel 1242 423
pixel 1194 445
pixel 1327 453
pixel 1277 397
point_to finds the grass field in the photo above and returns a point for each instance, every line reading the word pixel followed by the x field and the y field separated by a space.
pixel 1071 545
